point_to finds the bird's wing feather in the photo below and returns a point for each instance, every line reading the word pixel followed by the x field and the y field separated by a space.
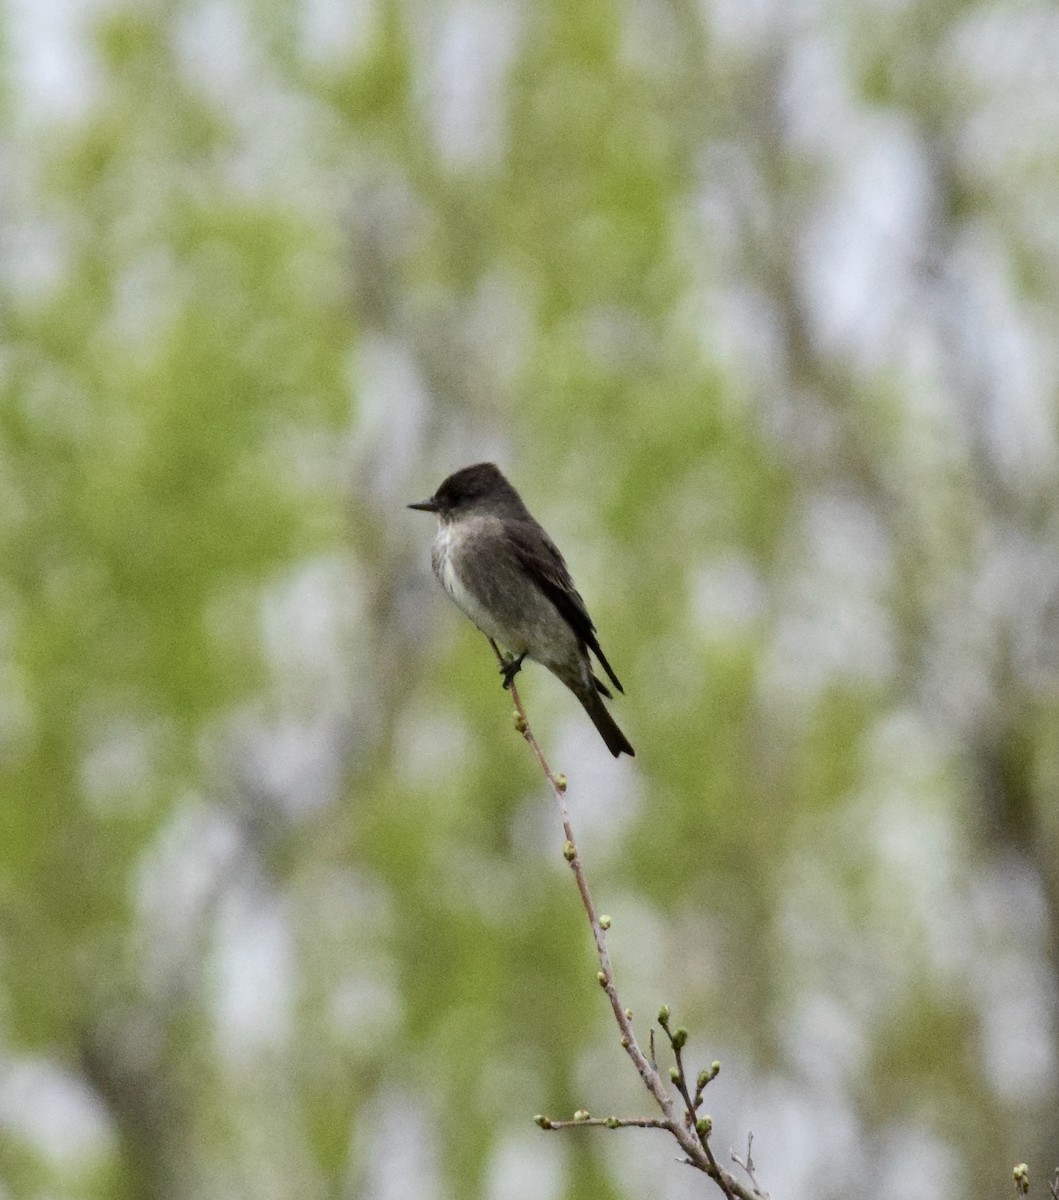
pixel 539 557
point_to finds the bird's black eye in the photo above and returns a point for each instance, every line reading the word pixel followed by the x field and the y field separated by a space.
pixel 455 494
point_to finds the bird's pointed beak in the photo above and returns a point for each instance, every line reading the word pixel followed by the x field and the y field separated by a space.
pixel 425 505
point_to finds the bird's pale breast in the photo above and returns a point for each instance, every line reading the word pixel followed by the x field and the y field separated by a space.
pixel 448 547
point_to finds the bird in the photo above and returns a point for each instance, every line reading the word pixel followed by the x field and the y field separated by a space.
pixel 506 574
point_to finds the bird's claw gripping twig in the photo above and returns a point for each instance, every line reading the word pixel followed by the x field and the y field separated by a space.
pixel 511 668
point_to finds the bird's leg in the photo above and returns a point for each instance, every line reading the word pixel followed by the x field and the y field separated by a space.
pixel 511 668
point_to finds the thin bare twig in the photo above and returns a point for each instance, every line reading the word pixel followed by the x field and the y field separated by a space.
pixel 747 1163
pixel 606 1123
pixel 691 1142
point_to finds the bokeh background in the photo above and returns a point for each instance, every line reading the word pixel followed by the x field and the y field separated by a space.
pixel 757 303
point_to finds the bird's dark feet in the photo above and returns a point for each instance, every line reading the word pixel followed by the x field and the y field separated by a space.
pixel 510 669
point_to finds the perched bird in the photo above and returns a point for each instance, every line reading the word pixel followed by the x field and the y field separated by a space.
pixel 506 574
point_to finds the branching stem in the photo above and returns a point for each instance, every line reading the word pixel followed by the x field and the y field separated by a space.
pixel 680 1125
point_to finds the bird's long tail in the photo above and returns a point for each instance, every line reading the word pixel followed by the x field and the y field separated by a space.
pixel 617 742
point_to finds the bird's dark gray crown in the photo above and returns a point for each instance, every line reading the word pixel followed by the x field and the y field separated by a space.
pixel 468 488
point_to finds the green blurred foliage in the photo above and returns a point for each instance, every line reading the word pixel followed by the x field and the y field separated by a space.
pixel 282 908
